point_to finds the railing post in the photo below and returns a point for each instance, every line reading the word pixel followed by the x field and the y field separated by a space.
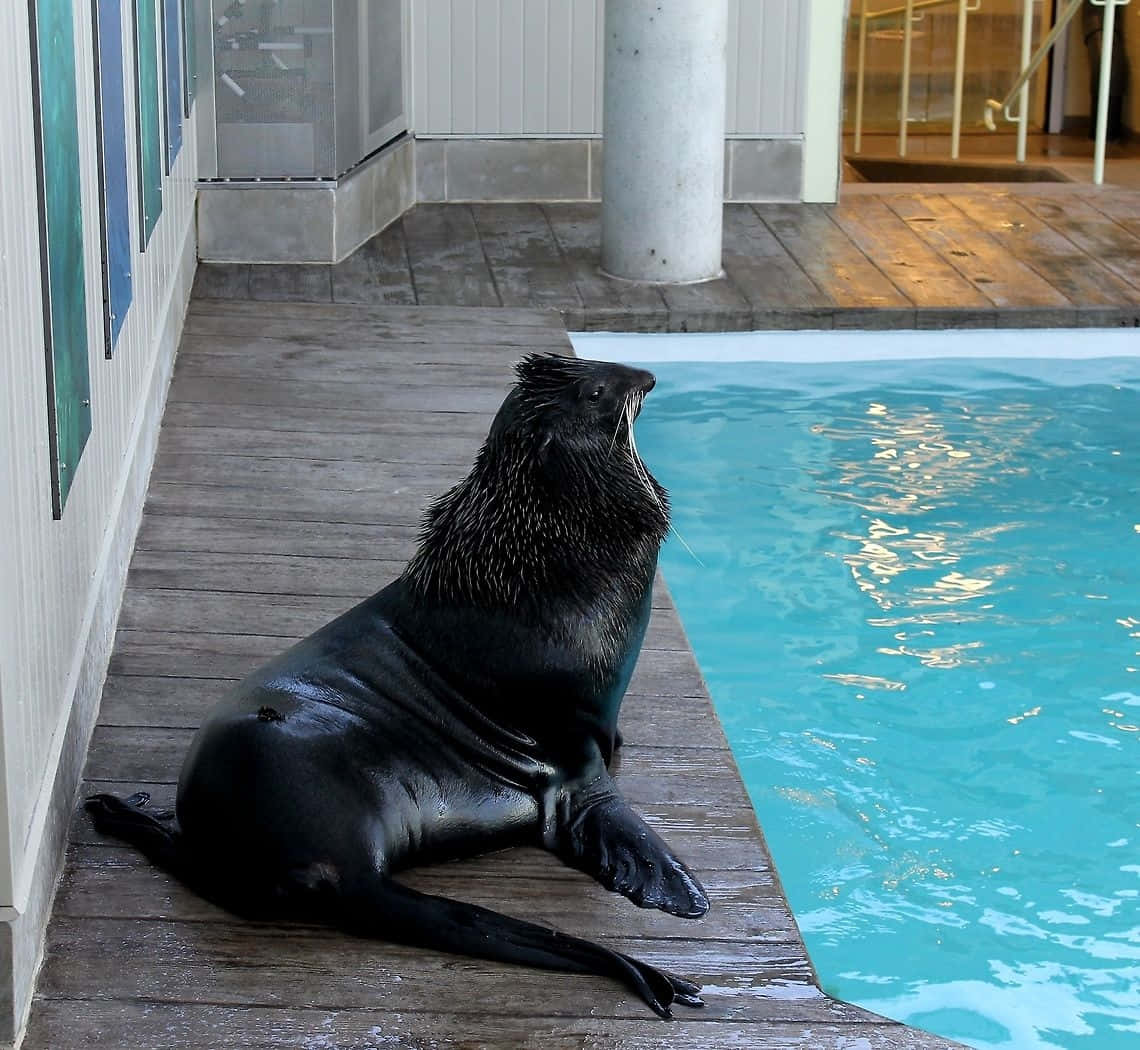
pixel 860 75
pixel 1026 52
pixel 1106 44
pixel 959 82
pixel 904 100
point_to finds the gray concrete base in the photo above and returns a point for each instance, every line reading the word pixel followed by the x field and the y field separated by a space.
pixel 325 221
pixel 762 170
pixel 305 222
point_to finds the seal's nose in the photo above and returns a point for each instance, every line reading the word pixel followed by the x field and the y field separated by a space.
pixel 646 381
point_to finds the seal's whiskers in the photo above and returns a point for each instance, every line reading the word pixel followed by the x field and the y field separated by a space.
pixel 617 430
pixel 643 473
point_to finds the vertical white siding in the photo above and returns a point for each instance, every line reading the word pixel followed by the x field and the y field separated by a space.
pixel 534 67
pixel 765 66
pixel 53 574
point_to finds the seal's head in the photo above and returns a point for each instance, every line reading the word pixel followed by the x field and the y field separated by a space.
pixel 573 402
pixel 559 510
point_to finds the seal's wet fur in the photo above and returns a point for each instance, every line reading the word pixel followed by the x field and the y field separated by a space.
pixel 470 705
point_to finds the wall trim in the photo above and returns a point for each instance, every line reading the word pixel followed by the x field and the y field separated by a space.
pixel 22 926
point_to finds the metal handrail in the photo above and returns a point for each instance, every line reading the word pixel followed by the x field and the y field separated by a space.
pixel 1030 65
pixel 909 10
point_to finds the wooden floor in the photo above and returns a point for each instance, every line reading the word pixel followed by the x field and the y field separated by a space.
pixel 1033 255
pixel 299 445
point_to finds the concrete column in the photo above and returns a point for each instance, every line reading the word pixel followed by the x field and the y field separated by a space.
pixel 663 164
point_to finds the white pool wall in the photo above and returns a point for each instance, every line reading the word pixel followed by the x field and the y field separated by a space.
pixel 825 347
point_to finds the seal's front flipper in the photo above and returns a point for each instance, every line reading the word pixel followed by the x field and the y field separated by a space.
pixel 375 906
pixel 604 838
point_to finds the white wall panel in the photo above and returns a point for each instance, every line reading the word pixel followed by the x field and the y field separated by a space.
pixel 511 74
pixel 51 572
pixel 533 60
pixel 534 67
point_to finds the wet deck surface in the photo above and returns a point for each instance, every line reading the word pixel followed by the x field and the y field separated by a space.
pixel 299 446
pixel 1026 256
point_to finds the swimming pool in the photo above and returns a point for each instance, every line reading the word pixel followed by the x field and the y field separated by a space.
pixel 917 606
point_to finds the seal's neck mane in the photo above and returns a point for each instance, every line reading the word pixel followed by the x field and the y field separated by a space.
pixel 557 532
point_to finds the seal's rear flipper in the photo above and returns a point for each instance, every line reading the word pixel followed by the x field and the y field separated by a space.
pixel 378 907
pixel 154 836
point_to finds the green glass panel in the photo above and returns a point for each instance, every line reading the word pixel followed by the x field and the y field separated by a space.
pixel 61 242
pixel 149 116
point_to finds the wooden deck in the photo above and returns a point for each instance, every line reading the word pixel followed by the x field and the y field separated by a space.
pixel 299 445
pixel 1024 256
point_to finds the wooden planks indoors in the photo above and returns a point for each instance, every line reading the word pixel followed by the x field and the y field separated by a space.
pixel 931 257
pixel 299 447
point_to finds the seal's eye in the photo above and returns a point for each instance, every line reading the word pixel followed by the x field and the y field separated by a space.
pixel 596 393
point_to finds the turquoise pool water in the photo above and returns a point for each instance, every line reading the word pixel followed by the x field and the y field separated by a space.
pixel 918 612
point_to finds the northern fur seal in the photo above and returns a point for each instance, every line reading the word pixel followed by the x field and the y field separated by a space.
pixel 470 705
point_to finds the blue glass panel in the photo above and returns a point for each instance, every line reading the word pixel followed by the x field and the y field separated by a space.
pixel 61 242
pixel 114 199
pixel 172 61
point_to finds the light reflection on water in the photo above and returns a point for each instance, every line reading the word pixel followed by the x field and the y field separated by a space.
pixel 919 615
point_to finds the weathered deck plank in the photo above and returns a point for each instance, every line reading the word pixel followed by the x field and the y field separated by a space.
pixel 357 421
pixel 228 656
pixel 255 572
pixel 377 272
pixel 1104 238
pixel 332 396
pixel 119 897
pixel 272 508
pixel 1121 205
pixel 343 447
pixel 1001 277
pixel 305 283
pixel 160 532
pixel 180 703
pixel 606 303
pixel 394 506
pixel 1080 277
pixel 913 266
pixel 290 616
pixel 523 256
pixel 448 264
pixel 777 287
pixel 222 281
pixel 868 297
pixel 142 1025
